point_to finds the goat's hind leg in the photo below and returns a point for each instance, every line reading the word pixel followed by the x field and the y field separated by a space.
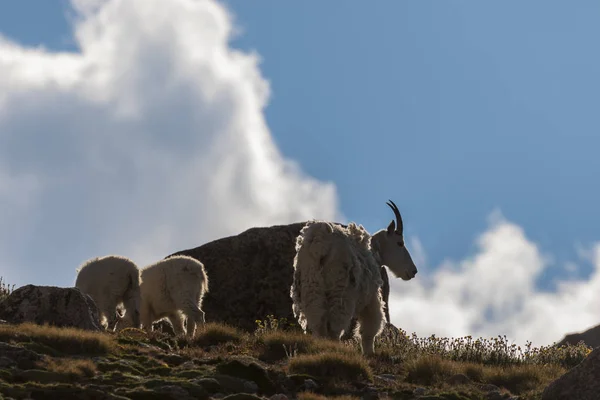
pixel 370 320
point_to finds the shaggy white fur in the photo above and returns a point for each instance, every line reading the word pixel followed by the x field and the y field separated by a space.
pixel 170 288
pixel 110 281
pixel 337 277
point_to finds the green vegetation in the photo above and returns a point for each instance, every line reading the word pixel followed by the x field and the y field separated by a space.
pixel 330 365
pixel 5 289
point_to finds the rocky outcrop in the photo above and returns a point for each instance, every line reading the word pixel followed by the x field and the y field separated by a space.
pixel 250 275
pixel 63 307
pixel 15 356
pixel 591 337
pixel 579 383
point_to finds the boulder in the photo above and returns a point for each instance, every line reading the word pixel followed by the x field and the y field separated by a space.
pixel 579 383
pixel 16 355
pixel 590 337
pixel 250 275
pixel 62 307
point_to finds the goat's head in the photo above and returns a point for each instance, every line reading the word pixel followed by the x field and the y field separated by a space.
pixel 392 249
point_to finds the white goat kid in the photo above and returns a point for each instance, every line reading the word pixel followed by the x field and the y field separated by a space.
pixel 172 287
pixel 110 281
pixel 337 277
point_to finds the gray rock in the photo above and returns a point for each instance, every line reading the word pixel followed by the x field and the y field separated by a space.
pixel 41 376
pixel 310 385
pixel 250 387
pixel 489 388
pixel 458 379
pixel 590 337
pixel 242 396
pixel 231 384
pixel 71 392
pixel 388 377
pixel 174 360
pixel 494 395
pixel 251 274
pixel 188 365
pixel 250 371
pixel 419 391
pixel 6 362
pixel 579 383
pixel 279 396
pixel 23 358
pixel 370 393
pixel 174 392
pixel 63 307
pixel 211 385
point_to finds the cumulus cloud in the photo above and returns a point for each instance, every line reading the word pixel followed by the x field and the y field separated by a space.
pixel 494 293
pixel 149 139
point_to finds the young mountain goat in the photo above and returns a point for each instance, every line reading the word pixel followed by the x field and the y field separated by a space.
pixel 111 280
pixel 172 287
pixel 337 277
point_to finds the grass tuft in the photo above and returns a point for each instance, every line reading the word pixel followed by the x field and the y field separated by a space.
pixel 429 370
pixel 519 379
pixel 64 340
pixel 433 370
pixel 281 344
pixel 214 334
pixel 332 365
pixel 73 368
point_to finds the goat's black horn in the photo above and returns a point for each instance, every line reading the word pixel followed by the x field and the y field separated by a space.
pixel 399 225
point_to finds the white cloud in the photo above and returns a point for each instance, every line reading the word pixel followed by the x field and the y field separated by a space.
pixel 494 293
pixel 152 139
pixel 148 140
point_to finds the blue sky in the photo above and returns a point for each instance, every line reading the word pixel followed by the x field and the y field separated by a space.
pixel 468 106
pixel 451 109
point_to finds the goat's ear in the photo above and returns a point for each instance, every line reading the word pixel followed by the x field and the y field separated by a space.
pixel 391 228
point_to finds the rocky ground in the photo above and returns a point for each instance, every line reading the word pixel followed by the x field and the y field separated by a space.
pixel 42 362
pixel 53 347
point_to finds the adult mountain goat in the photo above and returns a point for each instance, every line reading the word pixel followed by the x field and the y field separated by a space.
pixel 337 277
pixel 172 287
pixel 111 280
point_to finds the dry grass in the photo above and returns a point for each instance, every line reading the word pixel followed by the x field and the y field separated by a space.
pixel 433 370
pixel 492 351
pixel 519 379
pixel 214 334
pixel 332 365
pixel 279 345
pixel 71 367
pixel 63 340
pixel 430 370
